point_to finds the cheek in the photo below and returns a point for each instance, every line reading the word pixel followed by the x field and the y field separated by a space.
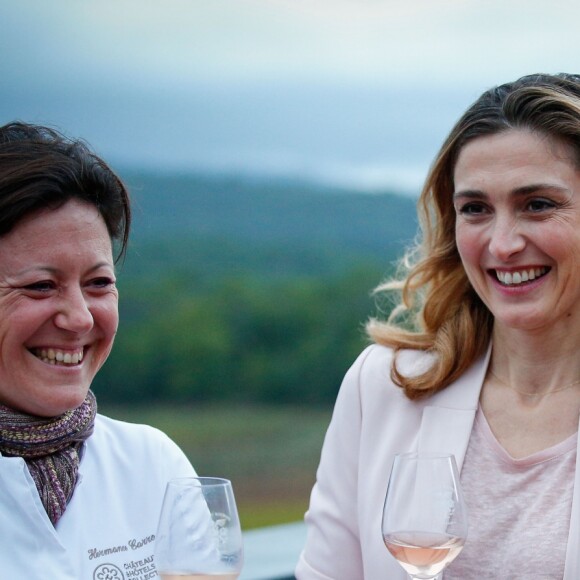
pixel 20 322
pixel 108 318
pixel 108 322
pixel 113 322
pixel 468 245
pixel 561 247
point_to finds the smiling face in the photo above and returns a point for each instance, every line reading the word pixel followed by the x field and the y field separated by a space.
pixel 58 308
pixel 517 203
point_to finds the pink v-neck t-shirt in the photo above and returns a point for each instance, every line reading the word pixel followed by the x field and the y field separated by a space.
pixel 519 509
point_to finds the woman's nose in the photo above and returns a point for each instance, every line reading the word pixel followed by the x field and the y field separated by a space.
pixel 74 313
pixel 506 239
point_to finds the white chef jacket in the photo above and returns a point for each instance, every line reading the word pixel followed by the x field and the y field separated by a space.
pixel 372 421
pixel 108 529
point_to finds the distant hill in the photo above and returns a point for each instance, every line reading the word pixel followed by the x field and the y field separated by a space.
pixel 248 290
pixel 218 223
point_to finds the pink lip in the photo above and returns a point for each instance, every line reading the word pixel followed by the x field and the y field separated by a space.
pixel 62 368
pixel 71 349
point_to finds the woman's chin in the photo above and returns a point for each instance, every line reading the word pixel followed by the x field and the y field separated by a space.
pixel 56 404
pixel 528 322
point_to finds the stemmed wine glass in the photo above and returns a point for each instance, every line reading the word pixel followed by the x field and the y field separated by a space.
pixel 199 535
pixel 424 518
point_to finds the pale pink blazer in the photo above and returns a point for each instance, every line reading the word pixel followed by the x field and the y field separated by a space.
pixel 372 421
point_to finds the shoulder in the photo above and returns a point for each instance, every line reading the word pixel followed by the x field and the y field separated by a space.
pixel 371 371
pixel 368 399
pixel 373 364
pixel 107 427
pixel 378 357
pixel 130 441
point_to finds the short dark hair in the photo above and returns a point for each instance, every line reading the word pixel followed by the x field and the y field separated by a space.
pixel 41 168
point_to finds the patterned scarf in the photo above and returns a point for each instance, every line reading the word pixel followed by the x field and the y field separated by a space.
pixel 52 449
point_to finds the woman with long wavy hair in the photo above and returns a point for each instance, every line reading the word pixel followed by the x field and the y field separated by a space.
pixel 480 356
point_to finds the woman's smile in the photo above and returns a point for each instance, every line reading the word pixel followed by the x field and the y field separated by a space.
pixel 519 277
pixel 58 356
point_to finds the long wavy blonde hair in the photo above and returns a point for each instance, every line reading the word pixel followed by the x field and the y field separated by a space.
pixel 438 310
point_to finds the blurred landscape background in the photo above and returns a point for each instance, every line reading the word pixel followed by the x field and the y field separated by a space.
pixel 243 303
pixel 274 150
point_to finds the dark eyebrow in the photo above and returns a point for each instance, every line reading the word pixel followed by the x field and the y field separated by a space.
pixel 55 271
pixel 469 194
pixel 519 191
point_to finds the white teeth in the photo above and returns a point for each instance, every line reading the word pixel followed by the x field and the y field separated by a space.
pixel 513 278
pixel 53 356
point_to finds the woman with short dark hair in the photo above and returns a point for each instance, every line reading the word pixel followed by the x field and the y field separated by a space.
pixel 80 493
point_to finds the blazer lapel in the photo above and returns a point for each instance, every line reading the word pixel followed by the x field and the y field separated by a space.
pixel 446 431
pixel 448 419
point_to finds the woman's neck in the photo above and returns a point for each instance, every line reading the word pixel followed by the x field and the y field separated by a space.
pixel 535 362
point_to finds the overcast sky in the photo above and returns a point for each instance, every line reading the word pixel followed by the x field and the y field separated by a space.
pixel 357 91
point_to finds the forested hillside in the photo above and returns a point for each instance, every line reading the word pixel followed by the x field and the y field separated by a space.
pixel 252 290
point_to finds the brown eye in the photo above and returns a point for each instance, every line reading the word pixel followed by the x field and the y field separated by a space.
pixel 538 205
pixel 472 208
pixel 103 282
pixel 44 286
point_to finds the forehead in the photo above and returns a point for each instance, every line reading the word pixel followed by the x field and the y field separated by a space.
pixel 75 228
pixel 74 213
pixel 514 154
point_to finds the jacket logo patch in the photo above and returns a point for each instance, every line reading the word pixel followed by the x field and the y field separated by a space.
pixel 108 572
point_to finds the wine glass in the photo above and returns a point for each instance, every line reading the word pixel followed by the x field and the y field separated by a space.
pixel 199 534
pixel 424 518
